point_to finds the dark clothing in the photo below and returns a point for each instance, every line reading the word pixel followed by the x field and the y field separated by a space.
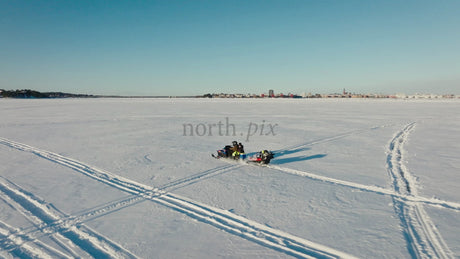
pixel 240 148
pixel 228 151
pixel 234 148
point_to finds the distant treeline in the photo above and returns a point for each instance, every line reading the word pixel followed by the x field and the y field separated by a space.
pixel 26 93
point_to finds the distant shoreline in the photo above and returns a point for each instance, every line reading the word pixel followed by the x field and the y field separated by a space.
pixel 32 94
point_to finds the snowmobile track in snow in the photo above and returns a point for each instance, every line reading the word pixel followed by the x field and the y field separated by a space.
pixel 132 199
pixel 219 218
pixel 179 183
pixel 423 238
pixel 362 187
pixel 76 240
pixel 22 245
pixel 369 188
pixel 330 138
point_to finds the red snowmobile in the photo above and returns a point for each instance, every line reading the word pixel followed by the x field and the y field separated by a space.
pixel 262 157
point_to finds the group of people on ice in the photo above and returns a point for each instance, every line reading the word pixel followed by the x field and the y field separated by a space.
pixel 236 151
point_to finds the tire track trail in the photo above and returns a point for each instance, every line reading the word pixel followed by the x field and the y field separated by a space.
pixel 422 237
pixel 219 218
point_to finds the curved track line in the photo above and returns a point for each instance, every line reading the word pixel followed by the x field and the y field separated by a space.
pixel 223 220
pixel 423 238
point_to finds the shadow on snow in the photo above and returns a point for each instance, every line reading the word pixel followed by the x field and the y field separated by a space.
pixel 284 152
pixel 296 159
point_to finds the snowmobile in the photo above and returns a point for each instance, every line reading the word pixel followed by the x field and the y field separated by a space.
pixel 262 157
pixel 227 152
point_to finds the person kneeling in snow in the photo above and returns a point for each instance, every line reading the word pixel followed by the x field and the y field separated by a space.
pixel 263 157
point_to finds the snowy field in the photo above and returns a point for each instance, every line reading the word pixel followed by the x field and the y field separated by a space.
pixel 125 178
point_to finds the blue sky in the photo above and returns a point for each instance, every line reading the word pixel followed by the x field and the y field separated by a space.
pixel 197 47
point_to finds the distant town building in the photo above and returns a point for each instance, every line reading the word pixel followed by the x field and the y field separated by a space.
pixel 271 94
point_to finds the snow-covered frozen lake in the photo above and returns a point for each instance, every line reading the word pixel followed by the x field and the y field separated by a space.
pixel 133 178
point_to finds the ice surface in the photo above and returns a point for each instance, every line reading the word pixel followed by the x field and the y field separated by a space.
pixel 120 174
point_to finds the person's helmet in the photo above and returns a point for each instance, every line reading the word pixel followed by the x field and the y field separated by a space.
pixel 235 143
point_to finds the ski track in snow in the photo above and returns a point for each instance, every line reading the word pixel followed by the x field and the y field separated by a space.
pixel 219 218
pixel 74 239
pixel 422 236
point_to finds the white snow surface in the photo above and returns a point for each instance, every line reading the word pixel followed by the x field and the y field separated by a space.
pixel 119 178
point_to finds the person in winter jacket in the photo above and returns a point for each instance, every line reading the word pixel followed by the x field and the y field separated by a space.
pixel 235 150
pixel 240 148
